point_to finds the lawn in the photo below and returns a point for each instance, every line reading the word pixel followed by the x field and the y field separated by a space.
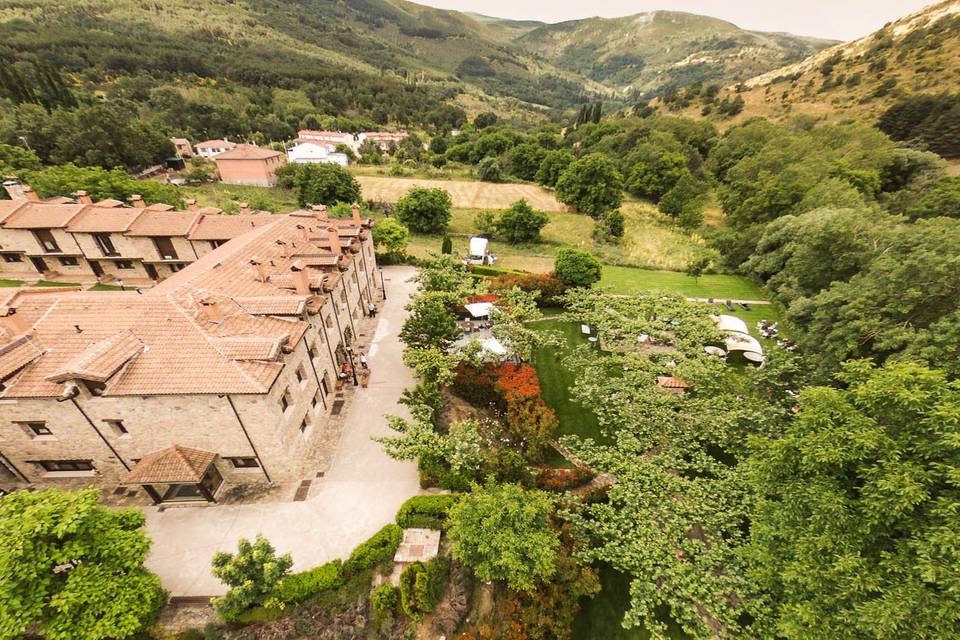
pixel 556 380
pixel 51 283
pixel 601 616
pixel 627 280
pixel 106 287
pixel 10 283
pixel 229 196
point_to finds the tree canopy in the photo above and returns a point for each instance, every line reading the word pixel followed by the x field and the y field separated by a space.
pixel 72 569
pixel 425 210
pixel 592 184
pixel 325 184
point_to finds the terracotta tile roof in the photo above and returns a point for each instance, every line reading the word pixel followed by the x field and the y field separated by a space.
pixel 59 200
pixel 8 207
pixel 273 305
pixel 179 345
pixel 215 144
pixel 109 202
pixel 42 215
pixel 175 465
pixel 163 223
pixel 248 347
pixel 669 382
pixel 17 355
pixel 248 152
pixel 159 206
pixel 97 219
pixel 226 227
pixel 101 360
pixel 179 141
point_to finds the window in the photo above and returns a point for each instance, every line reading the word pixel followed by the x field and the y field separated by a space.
pixel 12 257
pixel 37 428
pixel 165 248
pixel 117 426
pixel 305 424
pixel 217 243
pixel 314 400
pixel 285 400
pixel 311 352
pixel 299 374
pixel 175 267
pixel 124 264
pixel 244 463
pixel 105 243
pixel 65 465
pixel 46 240
pixel 69 262
pixel 343 295
pixel 320 335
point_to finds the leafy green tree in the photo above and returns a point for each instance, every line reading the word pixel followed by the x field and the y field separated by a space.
pixel 64 180
pixel 430 323
pixel 485 119
pixel 391 236
pixel 576 267
pixel 853 534
pixel 591 184
pixel 521 223
pixel 486 223
pixel 523 161
pixel 609 228
pixel 72 569
pixel 902 302
pixel 503 532
pixel 552 166
pixel 696 267
pixel 443 273
pixel 489 170
pixel 253 574
pixel 513 314
pixel 685 201
pixel 425 210
pixel 17 161
pixel 325 184
pixel 657 174
pixel 941 199
pixel 446 246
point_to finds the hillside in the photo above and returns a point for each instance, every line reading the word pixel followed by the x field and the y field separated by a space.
pixel 650 53
pixel 286 40
pixel 920 53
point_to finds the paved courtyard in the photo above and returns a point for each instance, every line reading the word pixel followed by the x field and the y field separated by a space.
pixel 360 492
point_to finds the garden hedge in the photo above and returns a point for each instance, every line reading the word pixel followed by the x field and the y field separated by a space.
pixel 298 587
pixel 379 548
pixel 426 512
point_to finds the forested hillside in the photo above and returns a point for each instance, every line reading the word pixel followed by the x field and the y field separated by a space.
pixel 651 53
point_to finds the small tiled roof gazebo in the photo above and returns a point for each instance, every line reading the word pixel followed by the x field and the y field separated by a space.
pixel 177 467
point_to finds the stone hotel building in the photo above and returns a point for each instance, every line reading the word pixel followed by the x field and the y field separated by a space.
pixel 223 373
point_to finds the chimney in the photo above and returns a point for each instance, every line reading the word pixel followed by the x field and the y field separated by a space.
pixel 13 323
pixel 259 268
pixel 303 233
pixel 15 190
pixel 30 194
pixel 356 214
pixel 137 201
pixel 191 204
pixel 319 211
pixel 301 279
pixel 83 197
pixel 334 236
pixel 244 207
pixel 211 310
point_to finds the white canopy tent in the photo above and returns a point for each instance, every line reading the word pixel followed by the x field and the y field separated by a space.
pixel 494 346
pixel 731 323
pixel 479 309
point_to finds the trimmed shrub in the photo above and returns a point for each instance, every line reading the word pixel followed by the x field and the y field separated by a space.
pixel 426 512
pixel 492 271
pixel 422 585
pixel 548 284
pixel 385 599
pixel 301 586
pixel 379 548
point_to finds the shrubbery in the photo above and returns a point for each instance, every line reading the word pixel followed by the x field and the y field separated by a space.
pixel 298 587
pixel 549 285
pixel 421 586
pixel 385 599
pixel 426 512
pixel 379 548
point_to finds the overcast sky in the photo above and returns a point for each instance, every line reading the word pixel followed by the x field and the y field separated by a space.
pixel 838 19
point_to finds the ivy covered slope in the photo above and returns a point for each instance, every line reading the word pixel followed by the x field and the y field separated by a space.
pixel 919 53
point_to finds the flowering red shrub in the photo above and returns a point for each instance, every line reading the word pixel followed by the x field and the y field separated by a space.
pixel 560 479
pixel 548 284
pixel 522 382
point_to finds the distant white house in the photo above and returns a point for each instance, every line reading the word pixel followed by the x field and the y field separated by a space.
pixel 213 148
pixel 383 138
pixel 332 138
pixel 310 152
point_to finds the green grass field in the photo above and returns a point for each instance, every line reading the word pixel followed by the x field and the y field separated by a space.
pixel 10 283
pixel 601 616
pixel 555 383
pixel 627 280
